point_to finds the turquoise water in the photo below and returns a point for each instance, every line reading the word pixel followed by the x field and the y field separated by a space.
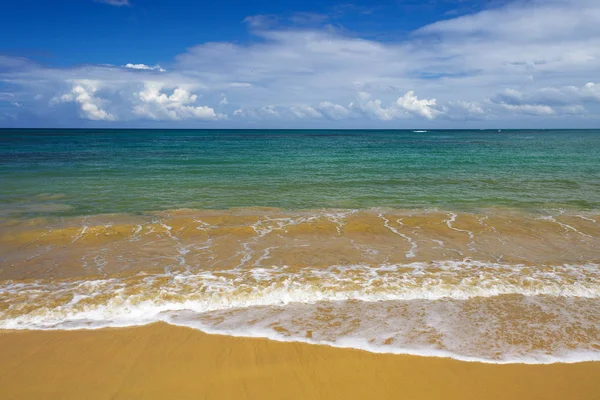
pixel 82 172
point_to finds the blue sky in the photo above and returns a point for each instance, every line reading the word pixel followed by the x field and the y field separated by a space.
pixel 390 64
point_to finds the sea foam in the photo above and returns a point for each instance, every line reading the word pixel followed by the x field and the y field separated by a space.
pixel 416 308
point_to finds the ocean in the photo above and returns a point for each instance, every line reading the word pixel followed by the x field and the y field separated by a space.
pixel 476 245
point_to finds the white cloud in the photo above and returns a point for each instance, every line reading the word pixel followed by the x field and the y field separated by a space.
pixel 468 107
pixel 567 100
pixel 526 21
pixel 403 107
pixel 157 105
pixel 373 108
pixel 568 95
pixel 519 68
pixel 145 67
pixel 333 111
pixel 304 111
pixel 82 93
pixel 424 107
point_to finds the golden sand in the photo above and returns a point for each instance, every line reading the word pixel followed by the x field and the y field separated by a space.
pixel 165 362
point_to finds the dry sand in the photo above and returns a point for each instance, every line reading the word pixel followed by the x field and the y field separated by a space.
pixel 165 362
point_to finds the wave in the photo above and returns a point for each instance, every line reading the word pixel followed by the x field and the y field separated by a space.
pixel 522 313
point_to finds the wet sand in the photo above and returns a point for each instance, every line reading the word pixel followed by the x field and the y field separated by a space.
pixel 162 361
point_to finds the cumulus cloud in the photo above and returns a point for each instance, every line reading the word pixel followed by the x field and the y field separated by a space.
pixel 304 111
pixel 82 93
pixel 373 108
pixel 425 108
pixel 518 68
pixel 333 111
pixel 157 105
pixel 404 106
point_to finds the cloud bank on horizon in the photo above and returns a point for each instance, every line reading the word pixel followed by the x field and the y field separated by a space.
pixel 533 63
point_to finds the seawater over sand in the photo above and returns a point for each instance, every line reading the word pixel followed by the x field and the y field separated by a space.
pixel 495 286
pixel 473 245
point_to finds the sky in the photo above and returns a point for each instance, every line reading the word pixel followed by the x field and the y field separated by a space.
pixel 392 64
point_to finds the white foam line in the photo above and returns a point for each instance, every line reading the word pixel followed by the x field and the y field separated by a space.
pixel 83 231
pixel 168 229
pixel 206 291
pixel 204 226
pixel 266 254
pixel 246 255
pixel 566 227
pixel 263 228
pixel 339 219
pixel 413 244
pixel 572 357
pixel 586 218
pixel 440 243
pixel 449 222
pixel 280 224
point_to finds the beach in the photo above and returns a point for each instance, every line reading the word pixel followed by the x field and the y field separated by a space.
pixel 161 361
pixel 300 264
pixel 300 200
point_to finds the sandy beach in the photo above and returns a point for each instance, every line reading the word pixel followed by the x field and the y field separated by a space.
pixel 300 200
pixel 161 361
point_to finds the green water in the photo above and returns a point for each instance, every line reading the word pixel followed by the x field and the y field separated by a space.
pixel 83 172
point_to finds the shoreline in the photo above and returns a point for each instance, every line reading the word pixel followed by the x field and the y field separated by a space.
pixel 163 361
pixel 531 360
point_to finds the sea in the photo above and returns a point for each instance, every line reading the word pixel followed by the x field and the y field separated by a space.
pixel 479 245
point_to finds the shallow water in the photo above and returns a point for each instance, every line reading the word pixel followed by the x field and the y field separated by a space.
pixel 501 286
pixel 472 245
